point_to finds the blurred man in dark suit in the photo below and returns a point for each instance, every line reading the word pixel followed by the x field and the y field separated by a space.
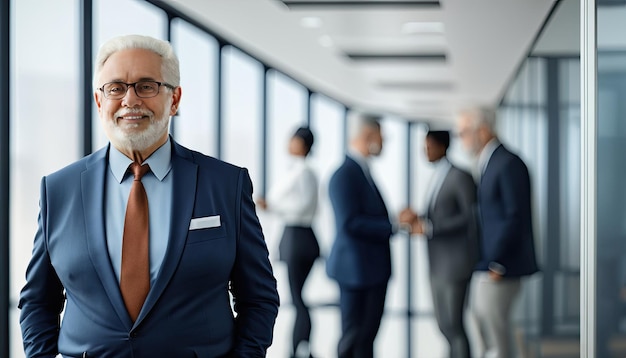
pixel 360 260
pixel 507 243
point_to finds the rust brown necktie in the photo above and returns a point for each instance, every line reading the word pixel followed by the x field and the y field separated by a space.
pixel 135 276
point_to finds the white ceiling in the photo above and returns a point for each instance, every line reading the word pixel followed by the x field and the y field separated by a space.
pixel 484 43
pixel 561 35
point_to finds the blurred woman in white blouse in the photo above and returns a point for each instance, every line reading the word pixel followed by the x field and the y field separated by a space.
pixel 294 199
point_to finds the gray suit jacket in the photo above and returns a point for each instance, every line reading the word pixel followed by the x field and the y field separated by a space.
pixel 453 242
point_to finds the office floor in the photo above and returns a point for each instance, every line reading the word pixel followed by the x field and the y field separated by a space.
pixel 391 341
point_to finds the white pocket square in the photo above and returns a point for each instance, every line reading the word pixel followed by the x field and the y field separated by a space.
pixel 205 222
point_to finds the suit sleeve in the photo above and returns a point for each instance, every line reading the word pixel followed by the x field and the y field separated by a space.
pixel 344 196
pixel 465 196
pixel 252 282
pixel 42 298
pixel 514 184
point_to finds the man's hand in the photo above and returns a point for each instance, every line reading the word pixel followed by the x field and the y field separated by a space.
pixel 417 228
pixel 407 216
pixel 495 276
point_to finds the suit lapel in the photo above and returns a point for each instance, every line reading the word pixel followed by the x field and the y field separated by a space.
pixel 370 182
pixel 92 189
pixel 379 195
pixel 435 198
pixel 185 174
pixel 493 158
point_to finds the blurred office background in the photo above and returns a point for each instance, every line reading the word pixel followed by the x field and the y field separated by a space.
pixel 254 70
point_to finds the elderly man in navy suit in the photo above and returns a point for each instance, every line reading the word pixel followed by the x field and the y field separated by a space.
pixel 507 243
pixel 141 264
pixel 360 259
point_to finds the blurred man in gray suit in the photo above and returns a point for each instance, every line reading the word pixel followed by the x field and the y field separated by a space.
pixel 449 223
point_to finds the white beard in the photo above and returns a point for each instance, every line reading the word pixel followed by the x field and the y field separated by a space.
pixel 374 149
pixel 122 136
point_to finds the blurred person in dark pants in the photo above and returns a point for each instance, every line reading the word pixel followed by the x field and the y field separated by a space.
pixel 294 199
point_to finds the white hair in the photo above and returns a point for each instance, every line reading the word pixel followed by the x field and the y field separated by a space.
pixel 357 121
pixel 170 68
pixel 482 116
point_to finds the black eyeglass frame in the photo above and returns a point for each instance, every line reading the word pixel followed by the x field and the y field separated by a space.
pixel 129 85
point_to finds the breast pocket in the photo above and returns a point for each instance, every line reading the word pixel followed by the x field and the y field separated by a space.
pixel 202 235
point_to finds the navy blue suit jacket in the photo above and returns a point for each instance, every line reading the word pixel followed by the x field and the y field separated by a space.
pixel 505 214
pixel 360 256
pixel 188 311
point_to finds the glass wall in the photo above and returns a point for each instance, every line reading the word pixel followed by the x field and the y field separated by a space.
pixel 611 191
pixel 195 125
pixel 567 274
pixel 45 121
pixel 242 132
pixel 287 109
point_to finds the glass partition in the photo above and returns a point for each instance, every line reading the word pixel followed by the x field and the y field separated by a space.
pixel 242 133
pixel 610 277
pixel 195 125
pixel 45 122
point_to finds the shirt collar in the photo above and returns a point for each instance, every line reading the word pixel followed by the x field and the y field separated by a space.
pixel 361 160
pixel 441 163
pixel 160 162
pixel 298 160
pixel 486 153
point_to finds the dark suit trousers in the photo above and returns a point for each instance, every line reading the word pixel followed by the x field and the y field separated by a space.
pixel 299 249
pixel 448 303
pixel 361 312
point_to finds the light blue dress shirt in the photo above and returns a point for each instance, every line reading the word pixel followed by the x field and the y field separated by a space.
pixel 159 188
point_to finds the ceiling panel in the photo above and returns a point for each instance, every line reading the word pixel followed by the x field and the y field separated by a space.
pixel 417 59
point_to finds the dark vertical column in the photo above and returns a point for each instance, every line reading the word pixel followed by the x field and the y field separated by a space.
pixel 264 119
pixel 219 102
pixel 86 38
pixel 5 101
pixel 345 130
pixel 409 246
pixel 309 108
pixel 551 262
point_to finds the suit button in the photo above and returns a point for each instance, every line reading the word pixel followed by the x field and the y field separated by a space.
pixel 133 334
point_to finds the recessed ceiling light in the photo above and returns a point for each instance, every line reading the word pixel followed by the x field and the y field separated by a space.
pixel 326 41
pixel 414 27
pixel 311 22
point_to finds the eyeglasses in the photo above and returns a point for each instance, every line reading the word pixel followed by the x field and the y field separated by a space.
pixel 143 89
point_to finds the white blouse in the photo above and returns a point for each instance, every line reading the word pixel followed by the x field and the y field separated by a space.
pixel 294 197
